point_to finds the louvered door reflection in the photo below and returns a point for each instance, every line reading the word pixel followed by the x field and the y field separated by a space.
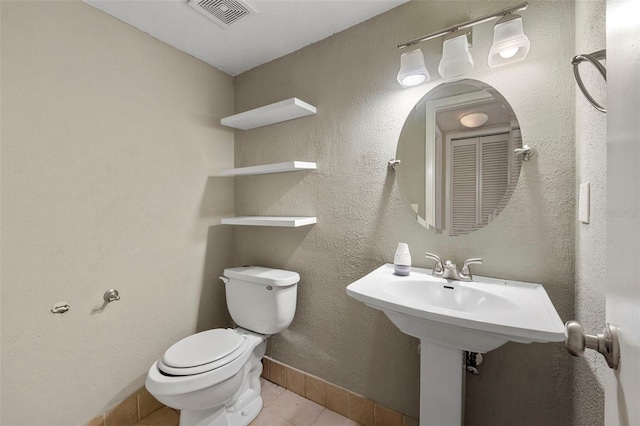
pixel 464 186
pixel 495 175
pixel 479 178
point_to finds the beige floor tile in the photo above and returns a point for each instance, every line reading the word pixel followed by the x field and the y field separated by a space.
pixel 277 373
pixel 408 421
pixel 337 399
pixel 265 368
pixel 383 416
pixel 269 418
pixel 124 414
pixel 147 404
pixel 295 381
pixel 360 409
pixel 269 391
pixel 162 417
pixel 330 418
pixel 315 390
pixel 96 421
pixel 296 409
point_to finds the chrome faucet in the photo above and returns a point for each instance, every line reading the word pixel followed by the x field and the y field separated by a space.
pixel 438 270
pixel 449 270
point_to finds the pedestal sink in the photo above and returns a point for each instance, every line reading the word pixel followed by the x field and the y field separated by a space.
pixel 450 317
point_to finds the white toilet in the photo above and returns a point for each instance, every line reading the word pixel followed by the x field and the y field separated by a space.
pixel 213 377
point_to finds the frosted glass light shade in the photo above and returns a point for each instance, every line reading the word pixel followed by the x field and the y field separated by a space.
pixel 510 44
pixel 412 69
pixel 474 119
pixel 456 59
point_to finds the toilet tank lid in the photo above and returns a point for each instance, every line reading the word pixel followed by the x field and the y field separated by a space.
pixel 266 276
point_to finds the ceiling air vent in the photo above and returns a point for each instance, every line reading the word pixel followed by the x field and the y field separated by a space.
pixel 223 12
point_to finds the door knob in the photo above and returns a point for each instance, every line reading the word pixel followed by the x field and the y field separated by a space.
pixel 606 342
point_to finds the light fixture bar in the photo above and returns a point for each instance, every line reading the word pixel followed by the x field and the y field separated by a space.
pixel 467 24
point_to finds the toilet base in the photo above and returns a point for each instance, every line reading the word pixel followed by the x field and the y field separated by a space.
pixel 246 416
pixel 222 417
pixel 228 396
pixel 243 406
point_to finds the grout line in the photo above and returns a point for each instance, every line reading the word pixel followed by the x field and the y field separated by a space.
pixel 299 387
pixel 138 405
pixel 368 414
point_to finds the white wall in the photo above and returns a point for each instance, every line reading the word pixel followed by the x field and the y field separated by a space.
pixel 351 78
pixel 591 166
pixel 108 141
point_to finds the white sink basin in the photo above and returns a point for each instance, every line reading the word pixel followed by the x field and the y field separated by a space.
pixel 477 316
pixel 450 317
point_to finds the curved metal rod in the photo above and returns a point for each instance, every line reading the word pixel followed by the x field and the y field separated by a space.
pixel 594 59
pixel 464 25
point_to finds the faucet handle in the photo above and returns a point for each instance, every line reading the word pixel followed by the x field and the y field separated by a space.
pixel 438 267
pixel 465 268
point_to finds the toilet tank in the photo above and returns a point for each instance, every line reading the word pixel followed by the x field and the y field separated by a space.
pixel 261 299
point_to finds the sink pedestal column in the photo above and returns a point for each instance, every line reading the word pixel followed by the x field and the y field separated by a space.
pixel 441 385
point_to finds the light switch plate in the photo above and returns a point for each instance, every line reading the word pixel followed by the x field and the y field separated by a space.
pixel 584 202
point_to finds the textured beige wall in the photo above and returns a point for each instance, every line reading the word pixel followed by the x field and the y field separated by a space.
pixel 591 165
pixel 351 78
pixel 412 152
pixel 108 139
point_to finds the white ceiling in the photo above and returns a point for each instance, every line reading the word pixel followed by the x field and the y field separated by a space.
pixel 280 27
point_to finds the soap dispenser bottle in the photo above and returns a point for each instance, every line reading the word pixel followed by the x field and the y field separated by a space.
pixel 402 260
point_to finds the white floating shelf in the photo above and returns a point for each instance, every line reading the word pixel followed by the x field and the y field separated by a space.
pixel 289 166
pixel 290 222
pixel 269 114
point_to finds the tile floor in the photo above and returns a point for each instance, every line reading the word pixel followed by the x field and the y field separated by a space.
pixel 281 408
pixel 163 417
pixel 285 408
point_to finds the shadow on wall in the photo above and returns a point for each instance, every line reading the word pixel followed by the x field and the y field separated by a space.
pixel 279 194
pixel 532 182
pixel 217 199
pixel 212 309
pixel 378 228
pixel 483 398
pixel 587 388
pixel 217 202
pixel 128 391
pixel 271 247
pixel 386 355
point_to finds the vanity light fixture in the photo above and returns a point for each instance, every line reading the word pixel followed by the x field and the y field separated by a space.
pixel 412 69
pixel 456 58
pixel 510 44
pixel 474 119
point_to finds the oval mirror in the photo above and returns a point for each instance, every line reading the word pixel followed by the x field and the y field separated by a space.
pixel 457 166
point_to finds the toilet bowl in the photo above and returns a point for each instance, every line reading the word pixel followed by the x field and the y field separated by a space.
pixel 213 377
pixel 204 397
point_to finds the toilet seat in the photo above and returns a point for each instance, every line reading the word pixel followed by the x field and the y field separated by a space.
pixel 203 352
pixel 162 384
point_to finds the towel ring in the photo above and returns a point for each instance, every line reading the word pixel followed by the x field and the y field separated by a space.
pixel 594 59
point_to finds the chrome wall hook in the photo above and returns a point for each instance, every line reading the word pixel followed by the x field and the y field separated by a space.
pixel 393 163
pixel 111 296
pixel 60 308
pixel 527 152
